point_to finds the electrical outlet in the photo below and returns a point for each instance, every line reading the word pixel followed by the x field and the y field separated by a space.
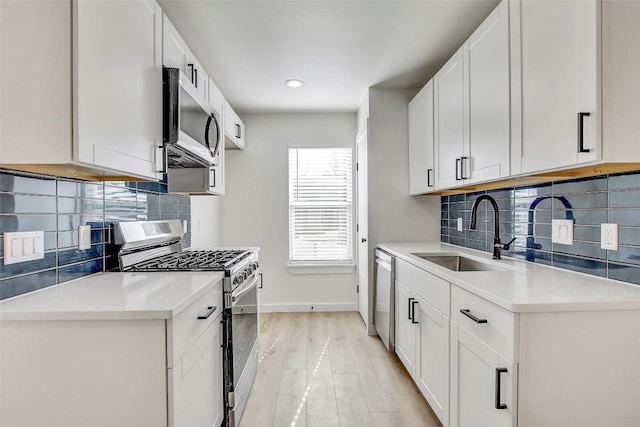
pixel 84 237
pixel 459 224
pixel 23 246
pixel 562 231
pixel 185 226
pixel 609 236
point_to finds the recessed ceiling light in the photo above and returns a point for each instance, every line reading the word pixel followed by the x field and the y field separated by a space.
pixel 294 83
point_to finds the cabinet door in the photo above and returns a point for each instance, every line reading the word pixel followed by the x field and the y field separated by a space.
pixel 450 119
pixel 487 65
pixel 233 128
pixel 118 85
pixel 198 76
pixel 175 52
pixel 405 328
pixel 432 368
pixel 557 56
pixel 196 392
pixel 421 149
pixel 476 379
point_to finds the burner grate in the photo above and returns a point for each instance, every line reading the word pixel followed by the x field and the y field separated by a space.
pixel 192 260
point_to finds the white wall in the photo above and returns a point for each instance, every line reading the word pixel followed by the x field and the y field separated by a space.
pixel 254 210
pixel 205 222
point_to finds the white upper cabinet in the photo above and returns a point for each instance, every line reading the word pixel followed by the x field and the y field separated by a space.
pixel 555 81
pixel 176 54
pixel 90 102
pixel 117 87
pixel 216 99
pixel 486 63
pixel 450 118
pixel 421 142
pixel 233 129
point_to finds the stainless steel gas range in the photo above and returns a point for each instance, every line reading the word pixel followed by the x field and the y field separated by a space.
pixel 155 246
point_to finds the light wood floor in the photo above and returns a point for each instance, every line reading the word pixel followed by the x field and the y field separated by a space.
pixel 322 369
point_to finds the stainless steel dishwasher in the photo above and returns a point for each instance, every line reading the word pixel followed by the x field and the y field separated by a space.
pixel 384 279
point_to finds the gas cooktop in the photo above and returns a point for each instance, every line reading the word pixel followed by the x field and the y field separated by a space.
pixel 203 260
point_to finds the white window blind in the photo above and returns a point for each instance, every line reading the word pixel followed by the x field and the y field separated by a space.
pixel 320 205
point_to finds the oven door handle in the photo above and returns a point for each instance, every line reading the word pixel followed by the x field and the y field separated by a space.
pixel 239 293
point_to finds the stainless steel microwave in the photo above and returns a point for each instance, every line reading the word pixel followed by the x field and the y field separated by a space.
pixel 191 127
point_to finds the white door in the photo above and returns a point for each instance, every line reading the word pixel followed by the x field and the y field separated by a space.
pixel 118 105
pixel 476 378
pixel 557 53
pixel 487 65
pixel 421 149
pixel 363 228
pixel 405 327
pixel 196 382
pixel 432 364
pixel 450 118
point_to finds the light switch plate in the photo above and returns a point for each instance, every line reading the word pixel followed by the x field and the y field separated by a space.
pixel 609 236
pixel 459 224
pixel 23 246
pixel 84 237
pixel 562 231
pixel 185 226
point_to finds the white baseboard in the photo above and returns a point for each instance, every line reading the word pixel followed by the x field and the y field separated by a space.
pixel 293 308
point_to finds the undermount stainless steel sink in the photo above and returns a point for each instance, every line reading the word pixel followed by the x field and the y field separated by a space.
pixel 458 263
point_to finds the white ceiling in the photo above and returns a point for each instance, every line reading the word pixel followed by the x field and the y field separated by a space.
pixel 339 48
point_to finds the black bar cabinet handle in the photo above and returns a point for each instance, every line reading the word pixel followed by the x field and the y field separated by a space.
pixel 238 131
pixel 458 162
pixel 429 172
pixel 413 311
pixel 467 313
pixel 409 308
pixel 581 148
pixel 499 405
pixel 191 67
pixel 209 312
pixel 195 82
pixel 462 159
pixel 260 274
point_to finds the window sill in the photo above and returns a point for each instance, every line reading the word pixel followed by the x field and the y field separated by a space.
pixel 321 268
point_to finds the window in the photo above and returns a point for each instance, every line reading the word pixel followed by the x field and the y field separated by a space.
pixel 320 206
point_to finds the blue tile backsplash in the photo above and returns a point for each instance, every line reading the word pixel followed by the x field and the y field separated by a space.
pixel 526 213
pixel 57 206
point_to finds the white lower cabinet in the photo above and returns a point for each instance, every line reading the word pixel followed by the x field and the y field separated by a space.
pixel 482 383
pixel 197 382
pixel 405 327
pixel 130 371
pixel 432 367
pixel 422 341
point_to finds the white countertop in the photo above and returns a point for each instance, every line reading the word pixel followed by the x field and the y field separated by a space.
pixel 524 286
pixel 112 296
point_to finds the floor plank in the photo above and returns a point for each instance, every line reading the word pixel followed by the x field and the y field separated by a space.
pixel 323 370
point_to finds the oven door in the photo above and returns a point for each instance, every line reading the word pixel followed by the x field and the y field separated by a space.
pixel 241 363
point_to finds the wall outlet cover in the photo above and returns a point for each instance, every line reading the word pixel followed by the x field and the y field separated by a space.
pixel 609 236
pixel 84 237
pixel 459 224
pixel 562 231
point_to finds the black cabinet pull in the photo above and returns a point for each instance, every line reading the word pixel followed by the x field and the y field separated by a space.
pixel 429 172
pixel 458 162
pixel 581 148
pixel 409 308
pixel 191 67
pixel 260 274
pixel 195 82
pixel 467 313
pixel 462 159
pixel 413 311
pixel 238 131
pixel 209 312
pixel 499 405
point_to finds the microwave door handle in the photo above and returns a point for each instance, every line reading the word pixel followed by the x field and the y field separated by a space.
pixel 217 149
pixel 206 135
